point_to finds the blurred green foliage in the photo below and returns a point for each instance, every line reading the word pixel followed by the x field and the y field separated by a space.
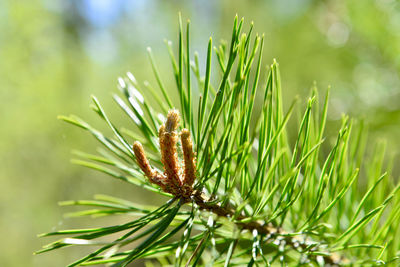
pixel 54 54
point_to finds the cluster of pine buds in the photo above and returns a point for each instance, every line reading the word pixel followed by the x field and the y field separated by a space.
pixel 176 180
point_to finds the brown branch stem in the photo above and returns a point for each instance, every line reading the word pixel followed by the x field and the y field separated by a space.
pixel 179 183
pixel 268 230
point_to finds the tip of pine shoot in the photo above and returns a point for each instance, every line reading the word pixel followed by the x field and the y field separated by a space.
pixel 172 120
pixel 185 133
pixel 137 147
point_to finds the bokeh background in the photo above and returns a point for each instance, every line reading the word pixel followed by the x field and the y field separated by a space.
pixel 54 54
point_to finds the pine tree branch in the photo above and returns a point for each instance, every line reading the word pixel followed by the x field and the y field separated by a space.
pixel 181 188
pixel 268 230
pixel 273 174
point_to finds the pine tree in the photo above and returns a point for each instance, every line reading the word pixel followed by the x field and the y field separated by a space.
pixel 241 191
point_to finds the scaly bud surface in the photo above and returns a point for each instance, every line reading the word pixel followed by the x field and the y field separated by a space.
pixel 154 176
pixel 189 159
pixel 175 180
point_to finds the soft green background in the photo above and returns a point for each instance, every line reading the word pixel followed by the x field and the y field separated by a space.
pixel 55 54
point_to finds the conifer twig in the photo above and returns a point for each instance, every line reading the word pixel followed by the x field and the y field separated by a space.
pixel 183 188
pixel 267 230
pixel 242 158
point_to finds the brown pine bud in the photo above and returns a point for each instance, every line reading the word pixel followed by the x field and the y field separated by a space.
pixel 174 180
pixel 172 120
pixel 189 159
pixel 169 157
pixel 141 159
